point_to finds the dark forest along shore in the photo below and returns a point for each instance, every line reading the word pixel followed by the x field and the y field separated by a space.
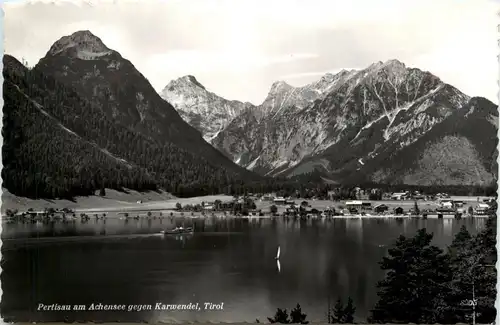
pixel 228 262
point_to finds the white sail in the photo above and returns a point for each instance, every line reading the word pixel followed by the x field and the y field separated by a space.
pixel 279 265
pixel 278 254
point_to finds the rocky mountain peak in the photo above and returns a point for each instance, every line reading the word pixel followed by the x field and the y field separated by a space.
pixel 280 86
pixel 329 77
pixel 12 64
pixel 185 84
pixel 193 80
pixel 202 109
pixel 483 102
pixel 328 80
pixel 113 84
pixel 386 69
pixel 393 63
pixel 394 66
pixel 81 44
pixel 189 80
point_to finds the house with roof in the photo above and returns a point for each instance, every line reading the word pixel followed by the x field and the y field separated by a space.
pixel 398 210
pixel 482 209
pixel 380 208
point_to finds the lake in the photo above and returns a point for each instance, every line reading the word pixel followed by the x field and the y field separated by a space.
pixel 229 261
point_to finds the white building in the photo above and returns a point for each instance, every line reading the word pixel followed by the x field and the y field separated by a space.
pixel 447 204
pixel 279 200
pixel 400 196
pixel 481 209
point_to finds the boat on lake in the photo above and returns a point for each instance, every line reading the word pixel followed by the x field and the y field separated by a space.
pixel 178 231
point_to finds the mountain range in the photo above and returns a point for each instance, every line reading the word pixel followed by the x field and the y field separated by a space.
pixel 387 124
pixel 84 118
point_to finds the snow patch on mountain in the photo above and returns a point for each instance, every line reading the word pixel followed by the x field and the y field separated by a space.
pixel 392 117
pixel 253 163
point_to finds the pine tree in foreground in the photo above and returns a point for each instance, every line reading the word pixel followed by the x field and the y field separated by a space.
pixel 297 317
pixel 414 289
pixel 338 312
pixel 281 317
pixel 349 311
pixel 425 285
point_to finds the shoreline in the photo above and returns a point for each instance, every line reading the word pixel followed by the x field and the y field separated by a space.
pixel 113 201
pixel 176 215
pixel 136 204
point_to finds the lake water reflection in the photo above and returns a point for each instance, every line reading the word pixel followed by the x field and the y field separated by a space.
pixel 226 260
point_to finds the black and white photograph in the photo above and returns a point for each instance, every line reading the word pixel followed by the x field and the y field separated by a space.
pixel 222 161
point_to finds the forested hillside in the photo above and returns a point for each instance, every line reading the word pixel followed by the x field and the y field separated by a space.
pixel 58 144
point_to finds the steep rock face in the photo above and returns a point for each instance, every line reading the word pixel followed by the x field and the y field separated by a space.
pixel 360 126
pixel 283 97
pixel 103 77
pixel 202 109
pixel 350 112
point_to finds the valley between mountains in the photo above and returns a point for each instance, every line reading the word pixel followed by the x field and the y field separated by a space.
pixel 84 118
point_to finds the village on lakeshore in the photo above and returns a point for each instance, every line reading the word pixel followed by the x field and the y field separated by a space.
pixel 357 203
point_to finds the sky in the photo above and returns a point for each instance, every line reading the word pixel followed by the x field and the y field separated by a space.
pixel 238 48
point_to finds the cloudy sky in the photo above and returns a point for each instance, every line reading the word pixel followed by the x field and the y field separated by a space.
pixel 238 48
